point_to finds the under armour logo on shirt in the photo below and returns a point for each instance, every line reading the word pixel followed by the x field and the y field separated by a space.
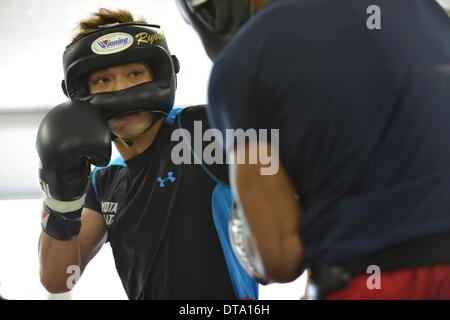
pixel 162 181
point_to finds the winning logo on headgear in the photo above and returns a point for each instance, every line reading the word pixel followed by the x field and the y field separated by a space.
pixel 112 43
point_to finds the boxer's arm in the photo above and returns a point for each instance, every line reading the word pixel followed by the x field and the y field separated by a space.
pixel 57 257
pixel 236 101
pixel 273 216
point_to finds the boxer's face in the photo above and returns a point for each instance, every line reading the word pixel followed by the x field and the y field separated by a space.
pixel 119 78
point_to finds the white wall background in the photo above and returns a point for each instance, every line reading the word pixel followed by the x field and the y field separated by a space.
pixel 33 35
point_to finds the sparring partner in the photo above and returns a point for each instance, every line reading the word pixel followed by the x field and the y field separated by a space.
pixel 166 222
pixel 359 91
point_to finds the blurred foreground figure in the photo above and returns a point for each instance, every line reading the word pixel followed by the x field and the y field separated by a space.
pixel 360 93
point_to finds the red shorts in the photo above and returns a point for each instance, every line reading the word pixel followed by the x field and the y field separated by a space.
pixel 408 284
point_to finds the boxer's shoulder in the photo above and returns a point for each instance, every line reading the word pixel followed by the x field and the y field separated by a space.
pixel 195 112
pixel 186 118
pixel 115 167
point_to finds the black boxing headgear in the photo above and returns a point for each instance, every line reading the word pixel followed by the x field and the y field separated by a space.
pixel 216 21
pixel 117 44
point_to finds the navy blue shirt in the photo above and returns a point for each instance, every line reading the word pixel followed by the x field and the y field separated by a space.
pixel 364 116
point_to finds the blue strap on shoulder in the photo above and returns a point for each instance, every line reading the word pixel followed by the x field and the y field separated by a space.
pixel 244 286
pixel 170 118
pixel 222 201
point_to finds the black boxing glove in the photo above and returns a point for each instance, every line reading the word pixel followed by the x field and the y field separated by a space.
pixel 71 137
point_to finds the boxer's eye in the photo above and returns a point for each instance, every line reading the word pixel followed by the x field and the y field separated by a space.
pixel 101 80
pixel 136 73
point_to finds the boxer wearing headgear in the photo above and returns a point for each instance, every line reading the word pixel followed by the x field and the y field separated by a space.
pixel 361 196
pixel 167 236
pixel 216 22
pixel 116 44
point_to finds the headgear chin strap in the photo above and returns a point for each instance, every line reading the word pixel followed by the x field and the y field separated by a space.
pixel 216 21
pixel 118 44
